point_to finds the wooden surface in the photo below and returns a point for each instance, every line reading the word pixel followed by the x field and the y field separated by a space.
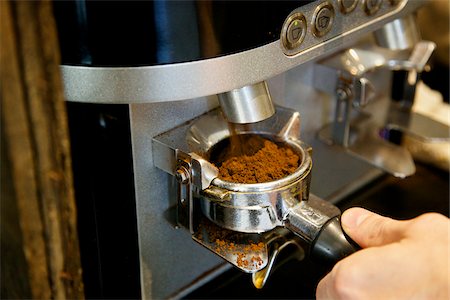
pixel 40 253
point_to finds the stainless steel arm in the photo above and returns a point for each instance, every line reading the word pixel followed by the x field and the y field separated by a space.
pixel 318 222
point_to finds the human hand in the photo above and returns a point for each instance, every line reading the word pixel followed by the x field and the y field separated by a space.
pixel 399 260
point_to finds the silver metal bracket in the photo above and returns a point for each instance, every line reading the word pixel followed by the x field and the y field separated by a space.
pixel 346 76
pixel 185 203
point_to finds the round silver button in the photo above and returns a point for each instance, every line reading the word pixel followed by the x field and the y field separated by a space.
pixel 347 6
pixel 294 31
pixel 322 20
pixel 372 6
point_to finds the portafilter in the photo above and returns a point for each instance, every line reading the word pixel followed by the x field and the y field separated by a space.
pixel 261 207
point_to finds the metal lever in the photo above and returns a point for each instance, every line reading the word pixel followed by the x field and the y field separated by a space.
pixel 351 93
pixel 365 92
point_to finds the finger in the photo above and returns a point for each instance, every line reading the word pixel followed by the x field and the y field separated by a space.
pixel 340 283
pixel 325 289
pixel 369 229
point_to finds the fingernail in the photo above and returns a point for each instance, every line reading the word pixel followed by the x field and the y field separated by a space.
pixel 353 217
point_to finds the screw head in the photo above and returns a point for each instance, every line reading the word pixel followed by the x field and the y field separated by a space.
pixel 182 175
pixel 343 93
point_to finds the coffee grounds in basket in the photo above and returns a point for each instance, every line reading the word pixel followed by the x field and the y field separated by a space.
pixel 269 163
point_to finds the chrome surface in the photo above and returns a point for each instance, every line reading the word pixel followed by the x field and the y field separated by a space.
pixel 417 60
pixel 399 34
pixel 258 212
pixel 185 200
pixel 247 252
pixel 417 125
pixel 361 61
pixel 346 75
pixel 248 104
pixel 362 139
pixel 277 240
pixel 366 58
pixel 203 172
pixel 256 208
pixel 251 253
pixel 189 80
pixel 391 158
pixel 307 218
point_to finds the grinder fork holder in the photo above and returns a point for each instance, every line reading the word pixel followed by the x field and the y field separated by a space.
pixel 361 124
pixel 245 223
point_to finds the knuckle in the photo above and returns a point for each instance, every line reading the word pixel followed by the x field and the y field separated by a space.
pixel 431 217
pixel 344 280
pixel 428 221
pixel 378 227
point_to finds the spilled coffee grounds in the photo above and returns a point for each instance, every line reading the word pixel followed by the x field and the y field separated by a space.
pixel 260 160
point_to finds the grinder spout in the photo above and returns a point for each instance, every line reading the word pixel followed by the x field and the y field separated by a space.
pixel 249 104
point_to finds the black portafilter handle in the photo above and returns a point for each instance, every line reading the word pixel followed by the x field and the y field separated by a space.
pixel 332 244
pixel 318 222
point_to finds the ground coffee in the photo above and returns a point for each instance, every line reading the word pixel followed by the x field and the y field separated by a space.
pixel 261 161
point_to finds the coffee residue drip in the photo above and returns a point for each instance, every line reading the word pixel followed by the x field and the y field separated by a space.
pixel 250 158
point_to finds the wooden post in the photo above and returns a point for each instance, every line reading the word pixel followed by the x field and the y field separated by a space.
pixel 40 252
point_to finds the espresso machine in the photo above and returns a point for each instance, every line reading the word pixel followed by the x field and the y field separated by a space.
pixel 152 88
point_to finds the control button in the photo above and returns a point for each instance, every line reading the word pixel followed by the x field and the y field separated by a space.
pixel 294 31
pixel 347 6
pixel 323 19
pixel 372 6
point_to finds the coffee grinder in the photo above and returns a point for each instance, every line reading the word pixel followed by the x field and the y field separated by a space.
pixel 151 87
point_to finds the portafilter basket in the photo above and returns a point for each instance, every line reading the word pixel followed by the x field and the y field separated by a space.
pixel 258 207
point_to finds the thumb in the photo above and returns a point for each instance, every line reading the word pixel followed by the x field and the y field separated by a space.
pixel 369 229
